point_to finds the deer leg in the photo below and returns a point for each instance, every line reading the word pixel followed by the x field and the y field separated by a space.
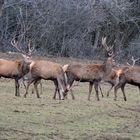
pixel 90 89
pixel 40 87
pixel 120 84
pixel 21 81
pixel 56 90
pixel 28 85
pixel 17 87
pixel 139 88
pixel 96 89
pixel 69 89
pixel 101 91
pixel 36 89
pixel 110 90
pixel 33 90
pixel 122 88
pixel 61 89
pixel 54 96
pixel 116 89
pixel 72 95
pixel 38 82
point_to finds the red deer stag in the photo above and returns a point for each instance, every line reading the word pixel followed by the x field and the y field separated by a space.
pixel 27 56
pixel 131 75
pixel 42 69
pixel 14 69
pixel 113 77
pixel 92 73
pixel 71 91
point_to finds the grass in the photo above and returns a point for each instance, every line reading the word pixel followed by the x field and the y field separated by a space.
pixel 47 119
pixel 40 119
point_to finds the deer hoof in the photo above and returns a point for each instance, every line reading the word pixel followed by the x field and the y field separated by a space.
pixel 24 95
pixel 125 99
pixel 115 99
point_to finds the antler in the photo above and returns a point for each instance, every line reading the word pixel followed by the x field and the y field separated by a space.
pixel 30 49
pixel 133 60
pixel 108 49
pixel 15 43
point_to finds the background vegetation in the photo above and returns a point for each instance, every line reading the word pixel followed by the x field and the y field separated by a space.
pixel 72 28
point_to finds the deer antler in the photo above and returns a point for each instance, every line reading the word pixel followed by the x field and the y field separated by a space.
pixel 108 49
pixel 133 60
pixel 31 49
pixel 15 43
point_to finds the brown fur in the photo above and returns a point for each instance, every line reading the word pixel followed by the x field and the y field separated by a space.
pixel 14 69
pixel 130 75
pixel 113 77
pixel 92 73
pixel 47 70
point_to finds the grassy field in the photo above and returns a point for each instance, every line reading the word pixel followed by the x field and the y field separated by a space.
pixel 46 119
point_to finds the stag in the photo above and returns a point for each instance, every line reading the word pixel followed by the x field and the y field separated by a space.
pixel 65 67
pixel 92 73
pixel 130 75
pixel 27 56
pixel 14 69
pixel 113 77
pixel 42 69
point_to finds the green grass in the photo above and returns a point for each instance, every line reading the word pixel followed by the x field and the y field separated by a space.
pixel 46 119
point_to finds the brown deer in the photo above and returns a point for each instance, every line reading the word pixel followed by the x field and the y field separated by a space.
pixel 42 69
pixel 113 77
pixel 92 73
pixel 27 56
pixel 71 91
pixel 14 69
pixel 130 75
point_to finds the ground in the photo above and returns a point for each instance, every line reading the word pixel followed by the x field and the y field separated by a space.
pixel 47 119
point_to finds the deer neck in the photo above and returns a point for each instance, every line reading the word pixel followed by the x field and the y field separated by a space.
pixel 25 68
pixel 107 67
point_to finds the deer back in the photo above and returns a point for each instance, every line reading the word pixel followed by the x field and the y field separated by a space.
pixel 46 69
pixel 11 68
pixel 133 74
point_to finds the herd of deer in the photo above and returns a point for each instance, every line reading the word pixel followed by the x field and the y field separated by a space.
pixel 64 77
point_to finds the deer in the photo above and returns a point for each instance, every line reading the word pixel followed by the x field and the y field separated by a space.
pixel 131 76
pixel 27 57
pixel 14 69
pixel 47 70
pixel 42 69
pixel 71 91
pixel 92 73
pixel 113 77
